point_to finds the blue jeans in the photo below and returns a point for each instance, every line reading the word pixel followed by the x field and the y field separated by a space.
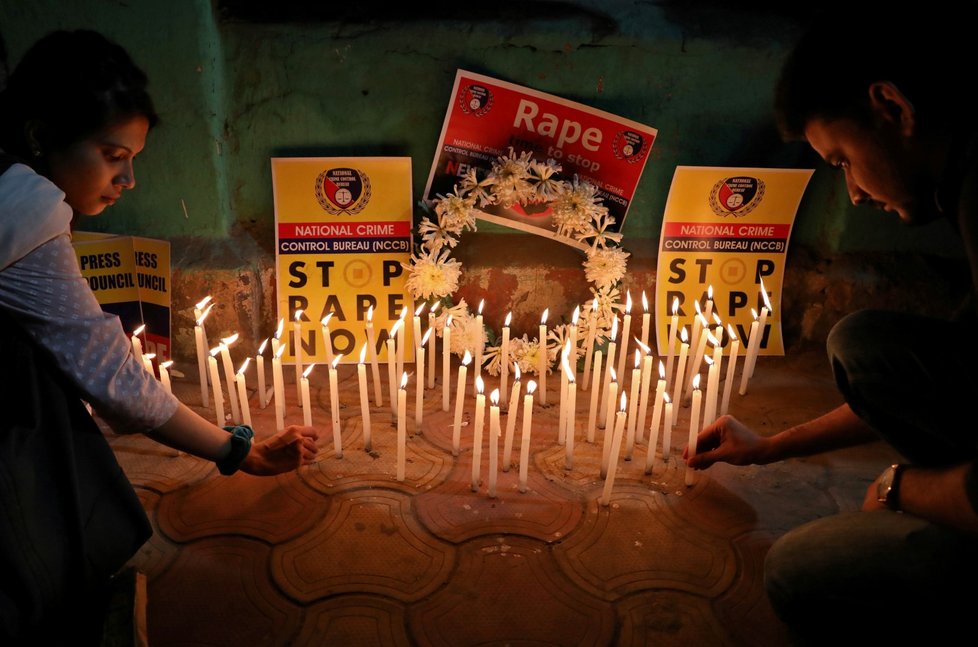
pixel 888 574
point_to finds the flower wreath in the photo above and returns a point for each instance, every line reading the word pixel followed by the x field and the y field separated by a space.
pixel 433 275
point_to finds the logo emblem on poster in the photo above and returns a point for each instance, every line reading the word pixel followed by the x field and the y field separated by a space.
pixel 475 99
pixel 630 146
pixel 736 196
pixel 343 190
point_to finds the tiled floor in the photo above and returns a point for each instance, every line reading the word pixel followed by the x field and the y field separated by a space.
pixel 341 553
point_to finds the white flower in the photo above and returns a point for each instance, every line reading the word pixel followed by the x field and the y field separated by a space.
pixel 511 175
pixel 435 236
pixel 455 212
pixel 530 361
pixel 576 207
pixel 432 274
pixel 599 231
pixel 461 309
pixel 548 184
pixel 465 334
pixel 604 267
pixel 479 191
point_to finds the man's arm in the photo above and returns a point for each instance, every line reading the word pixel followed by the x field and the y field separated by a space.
pixel 939 495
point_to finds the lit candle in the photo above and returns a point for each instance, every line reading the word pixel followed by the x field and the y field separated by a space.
pixel 334 408
pixel 401 332
pixel 297 348
pixel 511 411
pixel 592 416
pixel 605 407
pixel 697 359
pixel 446 363
pixel 694 339
pixel 525 435
pixel 543 359
pixel 625 331
pixel 392 366
pixel 646 320
pixel 761 325
pixel 572 337
pixel 375 367
pixel 402 428
pixel 364 399
pixel 278 386
pixel 562 415
pixel 239 380
pixel 137 346
pixel 677 385
pixel 644 390
pixel 419 382
pixel 229 374
pixel 480 413
pixel 327 337
pixel 480 343
pixel 431 345
pixel 201 339
pixel 752 343
pixel 148 362
pixel 673 326
pixel 571 421
pixel 199 307
pixel 304 394
pixel 615 450
pixel 633 398
pixel 493 440
pixel 165 375
pixel 504 355
pixel 694 426
pixel 216 384
pixel 709 302
pixel 731 370
pixel 713 383
pixel 667 424
pixel 660 393
pixel 260 363
pixel 277 337
pixel 589 343
pixel 460 402
pixel 609 429
pixel 418 343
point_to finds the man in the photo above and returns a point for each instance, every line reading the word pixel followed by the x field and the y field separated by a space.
pixel 878 95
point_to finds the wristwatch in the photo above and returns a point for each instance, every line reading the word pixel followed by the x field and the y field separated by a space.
pixel 888 486
pixel 241 436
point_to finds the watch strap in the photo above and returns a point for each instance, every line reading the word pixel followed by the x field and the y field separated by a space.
pixel 241 437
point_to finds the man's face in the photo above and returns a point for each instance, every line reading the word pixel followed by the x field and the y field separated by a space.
pixel 879 168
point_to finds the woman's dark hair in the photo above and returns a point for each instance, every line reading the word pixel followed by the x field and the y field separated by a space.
pixel 72 84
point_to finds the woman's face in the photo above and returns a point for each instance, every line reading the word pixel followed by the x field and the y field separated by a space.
pixel 94 171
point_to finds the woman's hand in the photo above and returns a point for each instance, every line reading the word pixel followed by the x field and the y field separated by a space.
pixel 727 440
pixel 285 451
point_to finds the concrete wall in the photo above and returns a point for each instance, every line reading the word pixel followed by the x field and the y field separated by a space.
pixel 240 81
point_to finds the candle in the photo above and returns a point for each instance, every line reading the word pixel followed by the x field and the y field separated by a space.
pixel 199 306
pixel 571 421
pixel 297 348
pixel 148 363
pixel 229 374
pixel 673 326
pixel 562 414
pixel 660 393
pixel 460 402
pixel 511 412
pixel 137 346
pixel 713 383
pixel 605 407
pixel 592 416
pixel 304 395
pixel 543 359
pixel 446 363
pixel 278 387
pixel 694 426
pixel 165 375
pixel 697 359
pixel 201 340
pixel 480 343
pixel 667 429
pixel 677 385
pixel 646 379
pixel 401 332
pixel 260 363
pixel 589 343
pixel 609 429
pixel 731 370
pixel 709 302
pixel 334 408
pixel 504 355
pixel 216 384
pixel 239 380
pixel 493 440
pixel 625 331
pixel 525 434
pixel 752 343
pixel 646 320
pixel 572 337
pixel 277 337
pixel 480 408
pixel 419 383
pixel 375 368
pixel 392 366
pixel 694 340
pixel 633 398
pixel 417 339
pixel 761 325
pixel 327 337
pixel 402 428
pixel 431 345
pixel 364 398
pixel 615 450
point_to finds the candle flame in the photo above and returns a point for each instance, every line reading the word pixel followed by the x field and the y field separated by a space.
pixel 149 355
pixel 363 353
pixel 397 324
pixel 713 340
pixel 753 313
pixel 298 315
pixel 594 304
pixel 645 347
pixel 494 397
pixel 448 321
pixel 531 386
pixel 516 370
pixel 665 398
pixel 370 313
pixel 709 292
pixel 696 379
pixel 167 364
pixel 434 307
pixel 717 320
pixel 509 318
pixel 214 351
pixel 543 319
pixel 624 402
pixel 628 301
pixel 731 332
pixel 708 360
pixel 417 313
pixel 480 386
pixel 244 366
pixel 614 328
pixel 404 377
pixel 308 370
pixel 336 360
pixel 280 351
pixel 638 358
pixel 227 341
pixel 281 327
pixel 203 315
pixel 696 305
pixel 683 336
pixel 662 370
pixel 614 375
pixel 675 305
pixel 577 313
pixel 703 321
pixel 203 302
pixel 565 365
pixel 325 320
pixel 261 349
pixel 138 331
pixel 566 350
pixel 482 302
pixel 404 312
pixel 427 334
pixel 645 301
pixel 467 357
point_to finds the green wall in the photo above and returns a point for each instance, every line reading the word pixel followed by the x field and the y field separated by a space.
pixel 242 82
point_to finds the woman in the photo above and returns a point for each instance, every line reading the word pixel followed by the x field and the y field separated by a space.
pixel 75 113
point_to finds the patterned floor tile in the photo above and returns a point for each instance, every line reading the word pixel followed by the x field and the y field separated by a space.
pixel 149 464
pixel 671 619
pixel 355 620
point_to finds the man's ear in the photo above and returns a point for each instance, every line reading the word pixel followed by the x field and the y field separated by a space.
pixel 890 105
pixel 34 134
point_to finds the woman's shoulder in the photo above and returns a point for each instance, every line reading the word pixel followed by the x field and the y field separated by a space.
pixel 32 212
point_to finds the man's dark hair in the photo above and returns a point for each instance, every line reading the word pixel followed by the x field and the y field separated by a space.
pixel 73 83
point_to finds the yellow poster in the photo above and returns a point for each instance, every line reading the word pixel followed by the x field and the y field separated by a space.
pixel 343 228
pixel 725 231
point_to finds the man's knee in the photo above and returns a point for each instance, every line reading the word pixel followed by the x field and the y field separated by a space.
pixel 855 332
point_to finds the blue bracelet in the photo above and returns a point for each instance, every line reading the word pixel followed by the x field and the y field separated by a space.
pixel 241 436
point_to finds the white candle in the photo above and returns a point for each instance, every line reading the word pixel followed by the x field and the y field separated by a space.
pixel 615 450
pixel 709 302
pixel 327 337
pixel 375 367
pixel 571 420
pixel 364 399
pixel 731 370
pixel 137 346
pixel 297 348
pixel 673 327
pixel 278 387
pixel 752 343
pixel 660 394
pixel 334 407
pixel 667 424
pixel 416 339
pixel 402 428
pixel 446 363
pixel 572 337
pixel 493 440
pixel 713 383
pixel 304 394
pixel 460 402
pixel 605 408
pixel 480 412
pixel 229 374
pixel 761 325
pixel 625 331
pixel 260 363
pixel 633 398
pixel 201 339
pixel 504 355
pixel 646 320
pixel 562 412
pixel 694 426
pixel 543 358
pixel 592 416
pixel 694 340
pixel 480 343
pixel 392 366
pixel 239 380
pixel 216 384
pixel 609 429
pixel 511 411
pixel 432 355
pixel 525 435
pixel 646 380
pixel 589 343
pixel 165 375
pixel 419 382
pixel 697 359
pixel 677 384
pixel 401 343
pixel 148 363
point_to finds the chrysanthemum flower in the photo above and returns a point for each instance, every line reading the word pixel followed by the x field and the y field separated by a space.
pixel 605 267
pixel 432 274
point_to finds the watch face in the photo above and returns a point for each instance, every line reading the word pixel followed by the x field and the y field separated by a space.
pixel 884 484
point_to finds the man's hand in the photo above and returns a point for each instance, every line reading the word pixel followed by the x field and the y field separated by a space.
pixel 285 451
pixel 727 440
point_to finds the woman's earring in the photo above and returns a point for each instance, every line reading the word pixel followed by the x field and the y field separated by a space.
pixel 36 151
